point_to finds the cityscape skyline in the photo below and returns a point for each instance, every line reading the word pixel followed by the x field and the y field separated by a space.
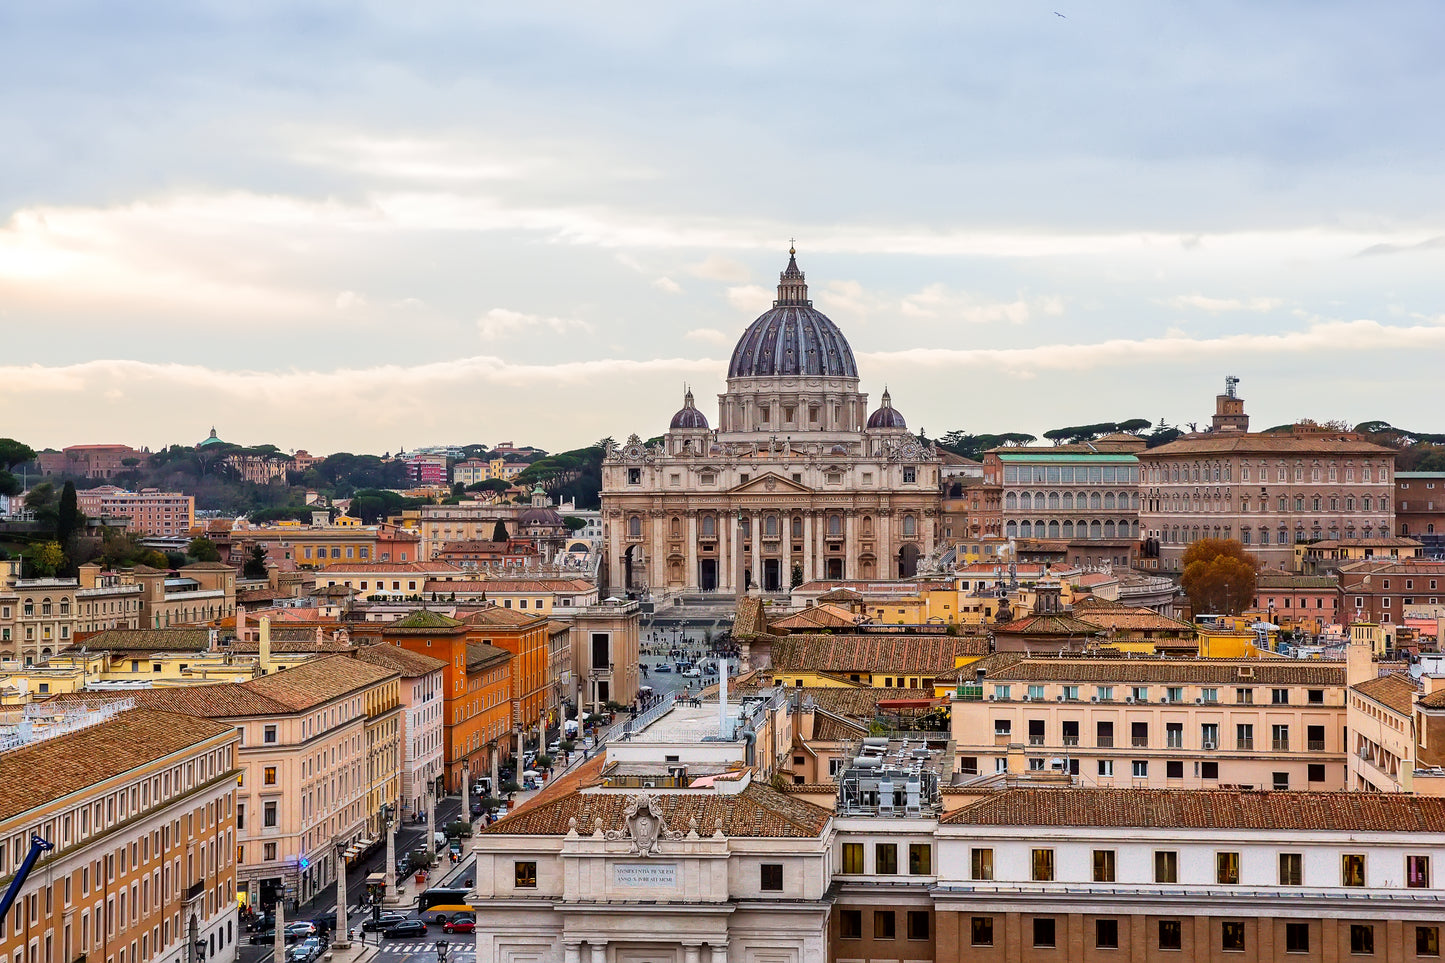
pixel 1019 220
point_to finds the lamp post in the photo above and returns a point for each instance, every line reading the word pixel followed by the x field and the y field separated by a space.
pixel 343 920
pixel 443 948
pixel 388 826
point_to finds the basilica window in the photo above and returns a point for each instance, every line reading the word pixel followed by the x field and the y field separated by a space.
pixel 910 475
pixel 867 525
pixel 1109 529
pixel 1068 501
pixel 835 525
pixel 813 414
pixel 676 525
pixel 1053 529
pixel 634 476
pixel 1026 529
pixel 770 526
pixel 1094 500
pixel 634 525
pixel 910 526
pixel 1108 499
pixel 1096 530
pixel 1068 530
pixel 1012 529
pixel 709 526
pixel 797 528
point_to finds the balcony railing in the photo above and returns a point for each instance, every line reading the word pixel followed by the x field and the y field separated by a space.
pixel 1244 743
pixel 1175 741
pixel 1105 742
pixel 1279 745
pixel 1317 745
pixel 1036 740
pixel 1139 742
pixel 1071 740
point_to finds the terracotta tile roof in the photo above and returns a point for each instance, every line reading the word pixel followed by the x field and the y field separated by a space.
pixel 1285 581
pixel 366 568
pixel 306 643
pixel 410 664
pixel 749 619
pixel 824 616
pixel 1116 616
pixel 1435 700
pixel 580 776
pixel 828 728
pixel 40 772
pixel 1212 809
pixel 480 655
pixel 318 681
pixel 496 615
pixel 1266 672
pixel 221 700
pixel 1396 690
pixel 150 640
pixel 1244 443
pixel 989 664
pixel 856 703
pixel 423 621
pixel 1049 624
pixel 840 594
pixel 507 586
pixel 756 811
pixel 874 653
pixel 208 567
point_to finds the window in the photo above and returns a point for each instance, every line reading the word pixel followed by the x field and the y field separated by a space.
pixel 268 851
pixel 1043 931
pixel 883 925
pixel 919 925
pixel 850 924
pixel 1226 868
pixel 982 930
pixel 1315 697
pixel 772 877
pixel 1362 939
pixel 1427 941
pixel 1043 866
pixel 524 874
pixel 1002 727
pixel 1244 697
pixel 920 859
pixel 1209 695
pixel 269 777
pixel 885 859
pixel 1171 935
pixel 853 858
pixel 1209 770
pixel 1231 936
pixel 1166 866
pixel 1296 937
pixel 1106 934
pixel 1352 869
pixel 1174 769
pixel 1279 738
pixel 982 864
pixel 1316 772
pixel 1141 769
pixel 910 475
pixel 1417 872
pixel 269 734
pixel 268 813
pixel 1281 780
pixel 1279 697
pixel 1106 767
pixel 1291 869
pixel 1103 866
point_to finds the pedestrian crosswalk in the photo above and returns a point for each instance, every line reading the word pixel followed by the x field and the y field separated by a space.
pixel 402 948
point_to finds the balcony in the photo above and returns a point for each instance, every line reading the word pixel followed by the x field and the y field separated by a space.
pixel 1139 742
pixel 1316 745
pixel 1279 745
pixel 1036 740
pixel 1244 744
pixel 1104 742
pixel 1071 740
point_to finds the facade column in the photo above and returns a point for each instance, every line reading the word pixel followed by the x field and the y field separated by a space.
pixel 734 530
pixel 883 543
pixel 341 942
pixel 597 952
pixel 691 578
pixel 756 533
pixel 719 952
pixel 927 519
pixel 657 563
pixel 810 548
pixel 850 544
pixel 571 953
pixel 785 577
pixel 691 953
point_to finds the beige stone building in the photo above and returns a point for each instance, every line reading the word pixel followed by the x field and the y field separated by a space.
pixel 797 482
pixel 140 808
pixel 39 617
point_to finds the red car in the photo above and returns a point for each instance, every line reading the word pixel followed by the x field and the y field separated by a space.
pixel 462 924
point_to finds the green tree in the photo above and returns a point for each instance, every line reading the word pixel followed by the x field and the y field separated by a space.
pixel 13 453
pixel 255 567
pixel 9 484
pixel 46 559
pixel 499 531
pixel 574 523
pixel 68 519
pixel 203 550
pixel 1219 576
pixel 489 485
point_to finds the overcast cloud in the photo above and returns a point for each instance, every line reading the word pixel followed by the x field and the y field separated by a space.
pixel 362 226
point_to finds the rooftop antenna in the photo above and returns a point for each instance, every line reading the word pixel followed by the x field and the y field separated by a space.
pixel 1229 382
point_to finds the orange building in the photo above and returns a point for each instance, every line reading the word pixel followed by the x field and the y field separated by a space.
pixel 477 705
pixel 525 636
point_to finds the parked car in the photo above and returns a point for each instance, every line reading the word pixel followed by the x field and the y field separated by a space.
pixel 693 673
pixel 462 924
pixel 554 747
pixel 405 928
pixel 264 937
pixel 382 922
pixel 299 930
pixel 265 921
pixel 662 667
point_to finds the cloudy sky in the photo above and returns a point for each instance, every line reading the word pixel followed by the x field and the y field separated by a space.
pixel 363 226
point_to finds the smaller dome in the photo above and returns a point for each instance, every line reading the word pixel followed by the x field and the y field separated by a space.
pixel 887 416
pixel 688 418
pixel 210 440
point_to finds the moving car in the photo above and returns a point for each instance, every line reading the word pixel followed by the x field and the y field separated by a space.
pixel 462 924
pixel 300 930
pixel 662 667
pixel 382 922
pixel 261 937
pixel 405 928
pixel 307 950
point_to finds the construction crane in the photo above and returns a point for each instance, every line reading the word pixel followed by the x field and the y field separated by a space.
pixel 37 846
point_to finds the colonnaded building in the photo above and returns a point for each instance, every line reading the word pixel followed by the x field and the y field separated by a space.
pixel 797 482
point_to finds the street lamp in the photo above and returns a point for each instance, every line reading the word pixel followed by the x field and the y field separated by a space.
pixel 443 948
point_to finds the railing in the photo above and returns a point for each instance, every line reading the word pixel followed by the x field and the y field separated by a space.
pixel 1279 745
pixel 1316 745
pixel 1104 742
pixel 1244 743
pixel 1071 740
pixel 1139 742
pixel 1175 741
pixel 1036 740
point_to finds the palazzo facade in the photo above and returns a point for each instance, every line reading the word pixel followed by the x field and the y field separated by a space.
pixel 797 482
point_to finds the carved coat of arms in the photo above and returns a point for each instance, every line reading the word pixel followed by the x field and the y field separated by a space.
pixel 645 825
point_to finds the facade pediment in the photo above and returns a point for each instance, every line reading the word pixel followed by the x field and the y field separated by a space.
pixel 770 483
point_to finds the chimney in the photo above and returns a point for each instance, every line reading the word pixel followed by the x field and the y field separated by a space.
pixel 265 647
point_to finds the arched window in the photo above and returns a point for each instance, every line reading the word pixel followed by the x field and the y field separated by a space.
pixel 1096 530
pixel 797 527
pixel 1053 529
pixel 1053 501
pixel 45 606
pixel 634 525
pixel 1026 529
pixel 1068 530
pixel 709 526
pixel 770 526
pixel 1094 501
pixel 676 526
pixel 867 524
pixel 1026 502
pixel 1366 503
pixel 1108 499
pixel 835 525
pixel 1299 503
pixel 1011 502
pixel 910 526
pixel 65 606
pixel 1109 529
pixel 1011 529
pixel 1068 501
pixel 1429 528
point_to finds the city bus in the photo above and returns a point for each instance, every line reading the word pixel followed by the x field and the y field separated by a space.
pixel 442 903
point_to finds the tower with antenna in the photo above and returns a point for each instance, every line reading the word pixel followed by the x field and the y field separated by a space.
pixel 1229 408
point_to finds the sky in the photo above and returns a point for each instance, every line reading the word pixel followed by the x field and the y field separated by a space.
pixel 364 227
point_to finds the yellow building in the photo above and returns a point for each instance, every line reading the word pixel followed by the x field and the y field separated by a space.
pixel 878 660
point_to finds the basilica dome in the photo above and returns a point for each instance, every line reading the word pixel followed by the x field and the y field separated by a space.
pixel 887 416
pixel 688 417
pixel 793 338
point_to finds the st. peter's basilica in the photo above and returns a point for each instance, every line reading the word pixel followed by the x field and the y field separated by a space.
pixel 798 481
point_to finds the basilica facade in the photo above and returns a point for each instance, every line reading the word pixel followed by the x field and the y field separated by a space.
pixel 798 480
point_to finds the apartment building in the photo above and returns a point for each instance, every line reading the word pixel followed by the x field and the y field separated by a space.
pixel 319 756
pixel 1420 508
pixel 139 806
pixel 321 544
pixel 89 461
pixel 527 637
pixel 39 617
pixel 1151 722
pixel 199 592
pixel 422 731
pixel 148 512
pixel 1380 590
pixel 395 580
